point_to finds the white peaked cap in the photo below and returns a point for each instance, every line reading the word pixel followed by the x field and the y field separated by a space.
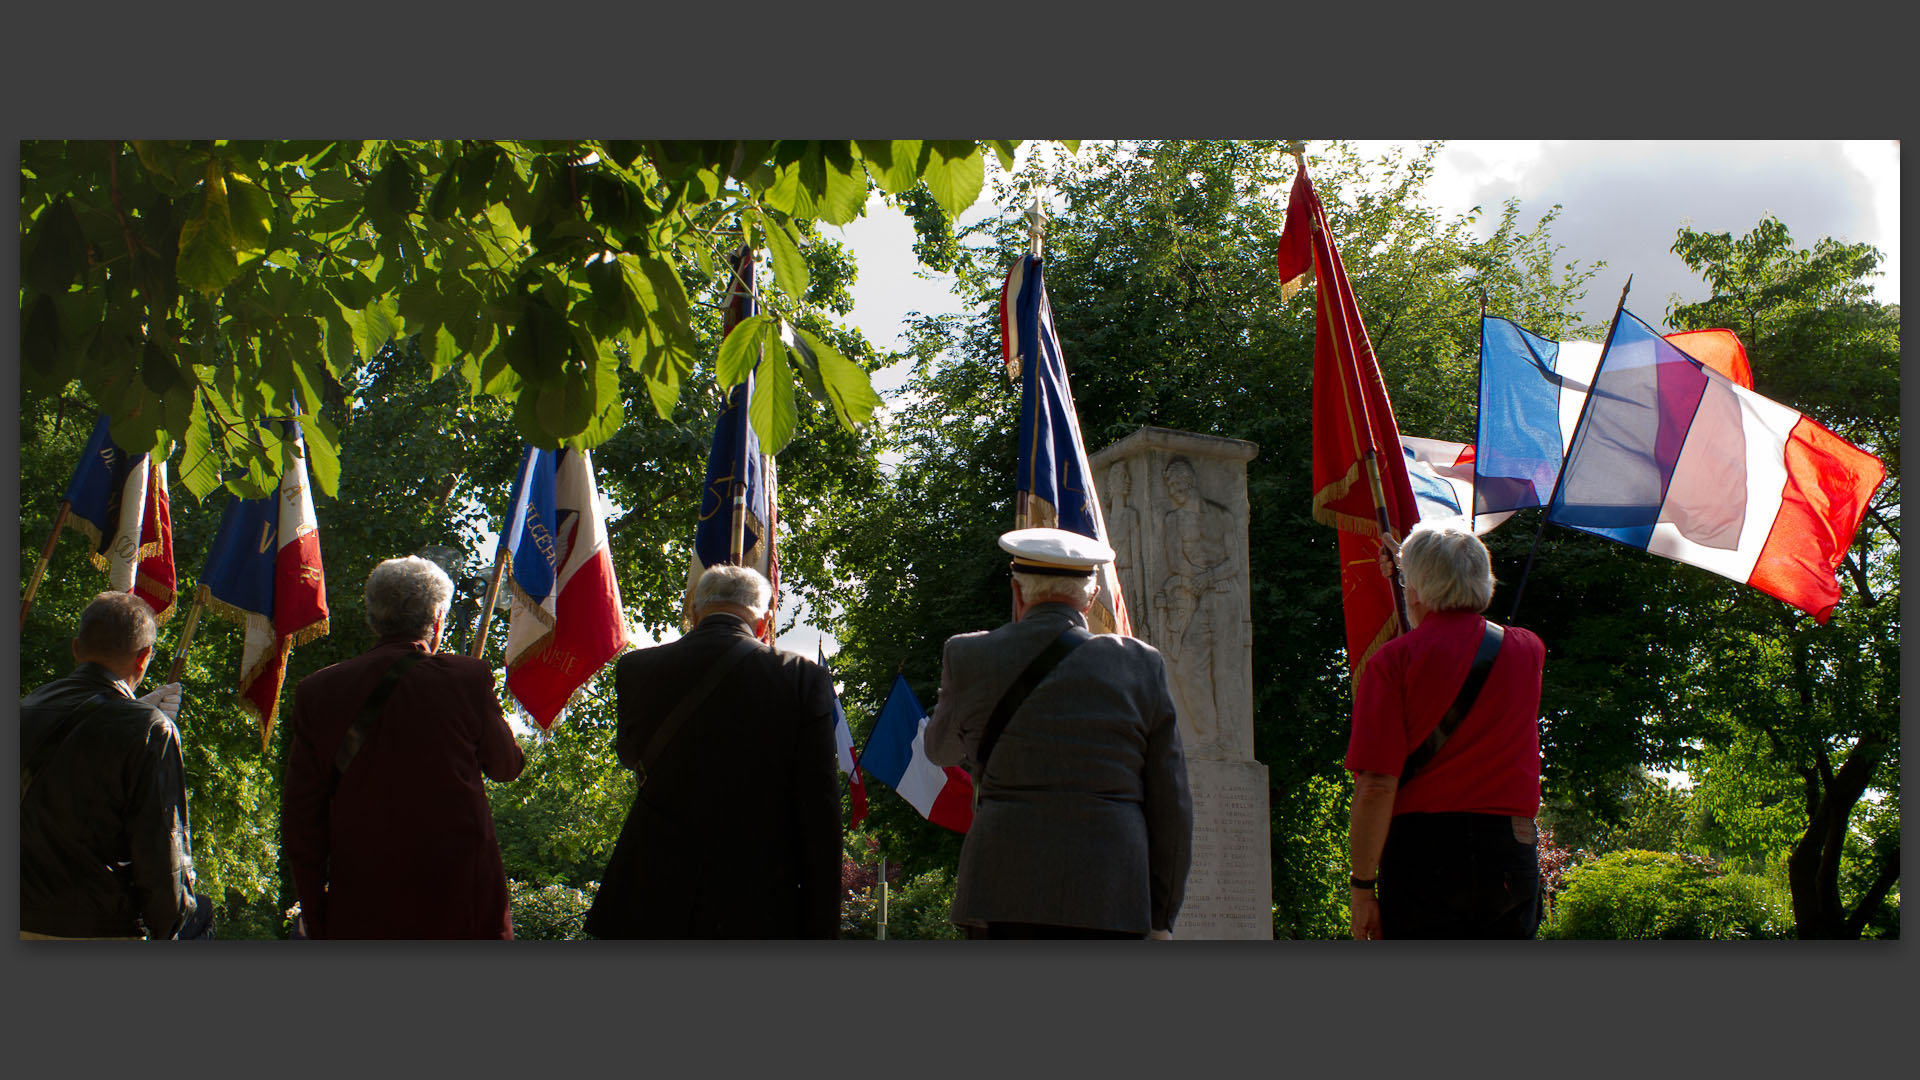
pixel 1055 549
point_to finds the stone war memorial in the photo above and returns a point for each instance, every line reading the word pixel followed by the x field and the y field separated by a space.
pixel 1175 505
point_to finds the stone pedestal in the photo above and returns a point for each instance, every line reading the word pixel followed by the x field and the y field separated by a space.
pixel 1175 505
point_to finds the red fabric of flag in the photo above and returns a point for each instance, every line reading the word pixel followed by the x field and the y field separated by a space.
pixel 1351 416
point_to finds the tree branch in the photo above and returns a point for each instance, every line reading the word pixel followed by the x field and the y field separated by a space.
pixel 1876 892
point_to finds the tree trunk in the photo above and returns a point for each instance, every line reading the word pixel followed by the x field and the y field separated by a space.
pixel 1813 869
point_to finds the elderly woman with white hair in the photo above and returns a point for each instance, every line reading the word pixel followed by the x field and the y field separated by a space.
pixel 1445 752
pixel 384 818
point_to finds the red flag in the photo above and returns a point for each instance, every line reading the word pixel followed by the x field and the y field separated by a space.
pixel 1351 419
pixel 153 576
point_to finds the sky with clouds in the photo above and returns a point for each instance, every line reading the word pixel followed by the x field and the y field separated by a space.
pixel 1621 204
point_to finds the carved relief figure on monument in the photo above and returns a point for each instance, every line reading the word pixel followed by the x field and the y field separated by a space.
pixel 1123 532
pixel 1196 601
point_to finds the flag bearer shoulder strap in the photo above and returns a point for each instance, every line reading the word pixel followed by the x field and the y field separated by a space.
pixel 670 727
pixel 1069 639
pixel 363 725
pixel 1462 704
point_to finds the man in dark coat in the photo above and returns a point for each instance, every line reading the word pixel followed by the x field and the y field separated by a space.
pixel 1085 824
pixel 404 846
pixel 104 849
pixel 735 831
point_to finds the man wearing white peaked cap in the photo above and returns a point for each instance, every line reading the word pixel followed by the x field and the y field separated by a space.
pixel 1084 824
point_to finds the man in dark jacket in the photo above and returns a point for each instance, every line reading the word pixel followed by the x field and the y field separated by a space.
pixel 104 851
pixel 1084 827
pixel 401 843
pixel 735 831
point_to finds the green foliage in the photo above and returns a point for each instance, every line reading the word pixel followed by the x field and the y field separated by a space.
pixel 197 288
pixel 558 822
pixel 549 912
pixel 918 909
pixel 1635 894
pixel 1793 726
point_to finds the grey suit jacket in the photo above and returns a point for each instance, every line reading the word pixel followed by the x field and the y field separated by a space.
pixel 1084 818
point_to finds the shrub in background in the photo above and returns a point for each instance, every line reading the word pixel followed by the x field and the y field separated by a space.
pixel 1636 894
pixel 550 912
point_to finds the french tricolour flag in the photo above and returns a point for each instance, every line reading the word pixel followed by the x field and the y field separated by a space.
pixel 120 503
pixel 1441 473
pixel 1680 459
pixel 896 753
pixel 843 751
pixel 1532 390
pixel 1052 468
pixel 264 572
pixel 566 618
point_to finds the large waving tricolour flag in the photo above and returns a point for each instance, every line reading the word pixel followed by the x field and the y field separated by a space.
pixel 1677 458
pixel 896 753
pixel 1532 389
pixel 566 621
pixel 120 503
pixel 1053 473
pixel 843 751
pixel 735 459
pixel 1441 473
pixel 1353 423
pixel 263 571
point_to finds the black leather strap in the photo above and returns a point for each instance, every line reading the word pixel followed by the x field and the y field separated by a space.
pixel 363 724
pixel 1069 639
pixel 1462 704
pixel 52 741
pixel 670 727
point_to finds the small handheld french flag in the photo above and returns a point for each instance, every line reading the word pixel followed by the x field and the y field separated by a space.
pixel 843 751
pixel 896 753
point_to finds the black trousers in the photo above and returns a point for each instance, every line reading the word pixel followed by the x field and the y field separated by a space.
pixel 1460 876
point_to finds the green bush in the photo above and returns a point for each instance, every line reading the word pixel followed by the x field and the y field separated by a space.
pixel 1636 894
pixel 917 909
pixel 550 912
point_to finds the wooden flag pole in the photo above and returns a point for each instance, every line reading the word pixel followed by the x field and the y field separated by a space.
pixel 1578 424
pixel 493 596
pixel 46 556
pixel 186 635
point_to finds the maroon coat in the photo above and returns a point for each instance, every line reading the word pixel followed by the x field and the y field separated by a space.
pixel 405 848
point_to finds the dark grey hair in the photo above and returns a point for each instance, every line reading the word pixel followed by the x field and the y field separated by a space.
pixel 724 584
pixel 115 626
pixel 405 595
pixel 1449 567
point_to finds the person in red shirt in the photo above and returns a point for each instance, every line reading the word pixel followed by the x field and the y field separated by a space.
pixel 1451 846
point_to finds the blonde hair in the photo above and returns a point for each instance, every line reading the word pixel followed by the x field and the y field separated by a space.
pixel 1449 567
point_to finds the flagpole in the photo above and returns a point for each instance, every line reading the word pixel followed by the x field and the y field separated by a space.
pixel 186 635
pixel 46 556
pixel 1479 373
pixel 1036 240
pixel 1370 453
pixel 493 597
pixel 738 302
pixel 1579 423
pixel 880 931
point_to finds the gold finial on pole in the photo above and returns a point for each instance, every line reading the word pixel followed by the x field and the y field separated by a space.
pixel 1036 225
pixel 1298 148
